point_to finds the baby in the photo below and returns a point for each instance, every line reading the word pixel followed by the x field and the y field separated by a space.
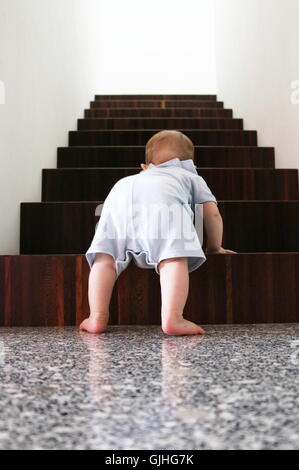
pixel 149 217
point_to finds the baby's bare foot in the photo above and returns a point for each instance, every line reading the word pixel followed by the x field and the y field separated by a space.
pixel 95 323
pixel 181 327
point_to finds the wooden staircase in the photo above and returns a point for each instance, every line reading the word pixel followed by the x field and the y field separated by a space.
pixel 47 283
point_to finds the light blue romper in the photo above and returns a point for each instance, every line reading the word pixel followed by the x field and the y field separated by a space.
pixel 150 217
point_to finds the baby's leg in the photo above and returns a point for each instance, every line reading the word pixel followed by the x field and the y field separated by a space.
pixel 100 285
pixel 174 280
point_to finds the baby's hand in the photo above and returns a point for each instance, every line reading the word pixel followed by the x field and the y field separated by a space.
pixel 221 251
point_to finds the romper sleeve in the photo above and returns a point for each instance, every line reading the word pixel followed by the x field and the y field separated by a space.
pixel 201 192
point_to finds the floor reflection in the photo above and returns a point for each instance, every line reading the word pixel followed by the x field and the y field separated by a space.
pixel 135 388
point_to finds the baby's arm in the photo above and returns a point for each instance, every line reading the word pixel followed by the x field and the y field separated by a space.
pixel 214 228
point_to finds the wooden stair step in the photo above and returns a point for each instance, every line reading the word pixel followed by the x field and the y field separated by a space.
pixel 156 104
pixel 158 112
pixel 249 226
pixel 128 156
pixel 140 137
pixel 245 288
pixel 159 123
pixel 93 184
pixel 156 97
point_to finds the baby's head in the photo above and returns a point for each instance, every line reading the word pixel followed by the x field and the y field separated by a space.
pixel 166 145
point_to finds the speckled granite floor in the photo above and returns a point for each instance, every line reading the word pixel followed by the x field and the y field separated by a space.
pixel 135 388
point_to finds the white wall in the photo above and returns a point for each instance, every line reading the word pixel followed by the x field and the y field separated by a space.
pixel 56 54
pixel 50 75
pixel 157 46
pixel 257 60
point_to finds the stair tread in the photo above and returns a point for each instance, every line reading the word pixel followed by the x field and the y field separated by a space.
pixel 143 146
pixel 169 108
pixel 275 170
pixel 239 254
pixel 147 100
pixel 157 96
pixel 223 201
pixel 158 130
pixel 124 118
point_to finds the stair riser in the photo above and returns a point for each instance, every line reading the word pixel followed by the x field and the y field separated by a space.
pixel 140 137
pixel 54 291
pixel 226 184
pixel 248 227
pixel 155 123
pixel 156 104
pixel 212 157
pixel 158 112
pixel 156 97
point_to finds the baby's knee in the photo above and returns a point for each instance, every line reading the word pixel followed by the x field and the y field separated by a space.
pixel 171 260
pixel 105 259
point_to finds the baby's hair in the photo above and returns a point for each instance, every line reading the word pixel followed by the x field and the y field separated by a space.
pixel 171 143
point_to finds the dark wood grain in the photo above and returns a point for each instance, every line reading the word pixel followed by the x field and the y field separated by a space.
pixel 263 290
pixel 158 112
pixel 94 184
pixel 248 226
pixel 156 97
pixel 261 226
pixel 157 123
pixel 140 137
pixel 57 228
pixel 128 156
pixel 143 301
pixel 156 104
pixel 267 288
